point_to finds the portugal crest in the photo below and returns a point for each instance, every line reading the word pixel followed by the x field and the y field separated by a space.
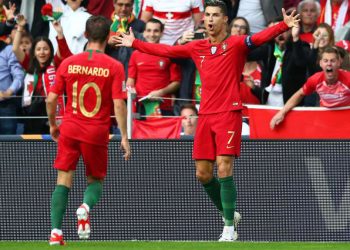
pixel 213 50
pixel 161 64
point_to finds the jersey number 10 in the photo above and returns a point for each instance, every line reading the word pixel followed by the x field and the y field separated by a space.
pixel 79 99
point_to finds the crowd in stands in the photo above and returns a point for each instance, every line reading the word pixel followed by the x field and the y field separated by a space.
pixel 32 48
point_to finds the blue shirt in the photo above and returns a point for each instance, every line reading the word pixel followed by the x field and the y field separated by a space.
pixel 11 72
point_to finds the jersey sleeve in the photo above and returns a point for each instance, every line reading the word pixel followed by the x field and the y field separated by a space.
pixel 118 81
pixel 59 86
pixel 310 86
pixel 266 35
pixel 197 6
pixel 175 72
pixel 132 67
pixel 177 51
pixel 148 6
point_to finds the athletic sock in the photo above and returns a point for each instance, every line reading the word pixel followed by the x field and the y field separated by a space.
pixel 59 202
pixel 93 193
pixel 212 188
pixel 228 199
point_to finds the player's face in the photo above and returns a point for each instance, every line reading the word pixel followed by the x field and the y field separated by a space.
pixel 330 64
pixel 214 20
pixel 74 4
pixel 25 45
pixel 239 27
pixel 189 122
pixel 42 52
pixel 308 14
pixel 152 32
pixel 123 8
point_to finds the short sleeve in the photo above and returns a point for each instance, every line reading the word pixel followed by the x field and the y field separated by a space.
pixel 197 6
pixel 118 82
pixel 59 86
pixel 132 68
pixel 310 86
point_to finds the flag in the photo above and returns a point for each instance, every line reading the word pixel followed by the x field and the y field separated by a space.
pixel 157 128
pixel 300 123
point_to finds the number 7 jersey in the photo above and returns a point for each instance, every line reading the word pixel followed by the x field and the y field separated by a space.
pixel 90 80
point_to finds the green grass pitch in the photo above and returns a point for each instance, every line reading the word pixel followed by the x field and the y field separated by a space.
pixel 167 245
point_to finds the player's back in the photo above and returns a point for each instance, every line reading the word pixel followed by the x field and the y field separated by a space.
pixel 91 81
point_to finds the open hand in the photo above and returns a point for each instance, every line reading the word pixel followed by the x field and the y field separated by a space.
pixel 291 20
pixel 125 147
pixel 125 40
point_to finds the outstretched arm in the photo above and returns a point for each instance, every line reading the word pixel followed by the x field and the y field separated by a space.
pixel 266 35
pixel 291 103
pixel 128 40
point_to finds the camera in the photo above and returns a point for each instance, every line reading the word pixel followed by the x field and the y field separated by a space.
pixel 199 35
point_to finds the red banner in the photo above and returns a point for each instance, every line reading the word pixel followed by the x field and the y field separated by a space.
pixel 157 128
pixel 300 123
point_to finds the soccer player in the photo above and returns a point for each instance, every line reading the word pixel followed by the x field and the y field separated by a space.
pixel 93 84
pixel 220 60
pixel 332 85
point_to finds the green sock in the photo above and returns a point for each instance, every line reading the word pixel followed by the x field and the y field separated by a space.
pixel 228 199
pixel 213 190
pixel 93 193
pixel 59 202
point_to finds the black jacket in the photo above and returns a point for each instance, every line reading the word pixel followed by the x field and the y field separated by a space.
pixel 294 67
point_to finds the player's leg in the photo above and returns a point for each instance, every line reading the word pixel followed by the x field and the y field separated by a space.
pixel 228 134
pixel 95 159
pixel 65 163
pixel 204 154
pixel 211 185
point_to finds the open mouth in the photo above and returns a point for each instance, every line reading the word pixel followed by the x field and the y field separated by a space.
pixel 210 26
pixel 329 70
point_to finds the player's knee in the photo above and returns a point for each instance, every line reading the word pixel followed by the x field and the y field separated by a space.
pixel 203 177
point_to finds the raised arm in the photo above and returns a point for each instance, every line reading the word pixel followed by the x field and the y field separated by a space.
pixel 267 34
pixel 21 21
pixel 178 51
pixel 291 103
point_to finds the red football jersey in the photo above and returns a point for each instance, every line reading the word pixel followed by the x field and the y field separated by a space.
pixel 91 80
pixel 152 73
pixel 220 65
pixel 335 95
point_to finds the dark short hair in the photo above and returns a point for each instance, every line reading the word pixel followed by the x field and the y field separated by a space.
pixel 330 50
pixel 154 20
pixel 189 106
pixel 115 1
pixel 217 3
pixel 97 29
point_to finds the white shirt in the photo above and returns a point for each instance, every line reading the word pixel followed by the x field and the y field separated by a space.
pixel 168 11
pixel 73 24
pixel 252 11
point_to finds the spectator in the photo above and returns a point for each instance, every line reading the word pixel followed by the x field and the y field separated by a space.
pixel 123 10
pixel 31 9
pixel 189 113
pixel 153 76
pixel 177 16
pixel 323 37
pixel 251 76
pixel 73 23
pixel 336 13
pixel 39 78
pixel 284 66
pixel 309 11
pixel 259 12
pixel 290 5
pixel 11 80
pixel 332 85
pixel 7 26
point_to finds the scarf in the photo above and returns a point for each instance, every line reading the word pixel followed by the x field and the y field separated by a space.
pixel 121 25
pixel 340 16
pixel 152 108
pixel 277 77
pixel 48 80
